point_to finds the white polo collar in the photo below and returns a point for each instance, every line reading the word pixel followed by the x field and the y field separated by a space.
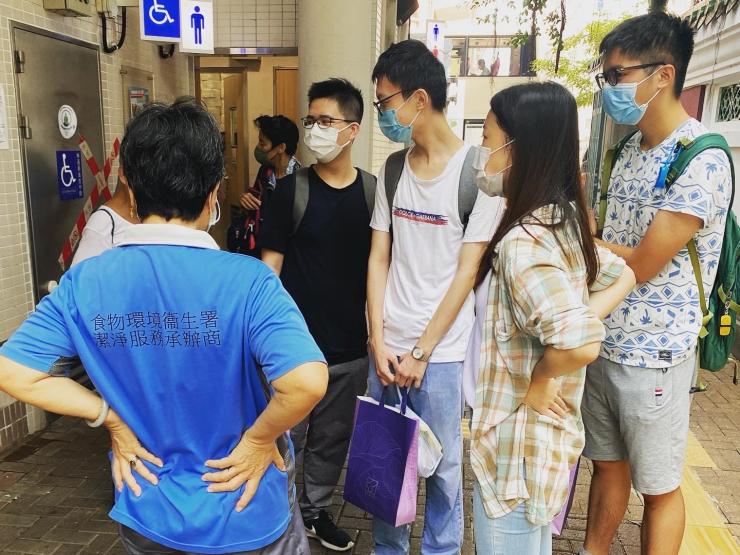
pixel 166 234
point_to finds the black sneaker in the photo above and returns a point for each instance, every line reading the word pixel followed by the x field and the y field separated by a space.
pixel 323 529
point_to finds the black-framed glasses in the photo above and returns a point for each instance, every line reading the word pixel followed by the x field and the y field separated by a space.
pixel 612 75
pixel 324 122
pixel 379 104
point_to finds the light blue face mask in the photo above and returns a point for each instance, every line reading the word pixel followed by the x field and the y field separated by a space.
pixel 620 104
pixel 392 128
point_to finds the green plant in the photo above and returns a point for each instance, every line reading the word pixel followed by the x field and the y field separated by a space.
pixel 577 54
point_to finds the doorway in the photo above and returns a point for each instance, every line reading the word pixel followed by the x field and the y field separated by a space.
pixel 224 95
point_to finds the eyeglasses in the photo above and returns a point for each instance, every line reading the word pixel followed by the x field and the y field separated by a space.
pixel 324 122
pixel 379 104
pixel 612 75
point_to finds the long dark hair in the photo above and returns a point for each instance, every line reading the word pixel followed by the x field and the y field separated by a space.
pixel 542 119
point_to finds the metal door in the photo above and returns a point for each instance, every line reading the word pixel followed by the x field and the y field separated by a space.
pixel 53 71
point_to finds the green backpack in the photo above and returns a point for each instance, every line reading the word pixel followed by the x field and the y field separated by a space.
pixel 717 334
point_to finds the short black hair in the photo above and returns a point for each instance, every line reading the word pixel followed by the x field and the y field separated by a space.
pixel 280 130
pixel 344 93
pixel 411 66
pixel 654 37
pixel 173 158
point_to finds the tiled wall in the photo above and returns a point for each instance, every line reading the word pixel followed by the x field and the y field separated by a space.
pixel 13 423
pixel 248 23
pixel 380 147
pixel 212 95
pixel 172 77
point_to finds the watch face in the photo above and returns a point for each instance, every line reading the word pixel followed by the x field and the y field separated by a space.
pixel 417 353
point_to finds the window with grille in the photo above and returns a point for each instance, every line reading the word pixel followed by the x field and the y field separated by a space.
pixel 729 103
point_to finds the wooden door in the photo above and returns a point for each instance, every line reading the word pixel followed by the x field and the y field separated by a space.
pixel 286 92
pixel 235 158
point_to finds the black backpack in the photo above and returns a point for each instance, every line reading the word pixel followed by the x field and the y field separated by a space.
pixel 300 201
pixel 467 192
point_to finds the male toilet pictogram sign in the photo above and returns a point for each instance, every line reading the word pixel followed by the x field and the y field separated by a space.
pixel 69 174
pixel 196 31
pixel 188 22
pixel 197 24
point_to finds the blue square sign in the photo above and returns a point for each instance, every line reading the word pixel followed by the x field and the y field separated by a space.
pixel 69 174
pixel 160 20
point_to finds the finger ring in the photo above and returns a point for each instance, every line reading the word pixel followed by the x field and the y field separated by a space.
pixel 133 461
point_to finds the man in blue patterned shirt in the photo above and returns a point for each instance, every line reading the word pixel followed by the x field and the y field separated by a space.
pixel 636 403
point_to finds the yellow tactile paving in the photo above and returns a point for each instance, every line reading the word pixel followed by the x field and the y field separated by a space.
pixel 700 509
pixel 696 455
pixel 706 532
pixel 705 540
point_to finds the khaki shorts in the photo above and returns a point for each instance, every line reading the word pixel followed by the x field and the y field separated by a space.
pixel 640 415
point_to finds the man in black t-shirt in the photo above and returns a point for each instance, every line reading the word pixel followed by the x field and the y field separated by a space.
pixel 320 252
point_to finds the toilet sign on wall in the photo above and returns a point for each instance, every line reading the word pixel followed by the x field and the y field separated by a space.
pixel 196 27
pixel 69 174
pixel 187 22
pixel 160 20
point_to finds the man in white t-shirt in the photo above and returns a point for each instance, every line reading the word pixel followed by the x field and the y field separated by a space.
pixel 105 226
pixel 420 279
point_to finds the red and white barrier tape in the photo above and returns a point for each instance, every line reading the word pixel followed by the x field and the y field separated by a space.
pixel 101 189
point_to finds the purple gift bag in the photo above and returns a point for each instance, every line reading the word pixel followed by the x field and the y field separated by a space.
pixel 382 464
pixel 558 523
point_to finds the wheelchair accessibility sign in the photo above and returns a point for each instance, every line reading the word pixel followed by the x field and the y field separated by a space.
pixel 69 174
pixel 160 20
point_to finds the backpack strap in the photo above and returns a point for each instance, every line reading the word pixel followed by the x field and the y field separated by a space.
pixel 691 149
pixel 369 184
pixel 610 159
pixel 112 221
pixel 393 170
pixel 467 191
pixel 706 315
pixel 300 200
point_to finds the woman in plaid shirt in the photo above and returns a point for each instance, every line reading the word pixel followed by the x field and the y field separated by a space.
pixel 549 290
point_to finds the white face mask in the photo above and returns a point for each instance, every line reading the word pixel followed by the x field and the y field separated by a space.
pixel 323 143
pixel 492 185
pixel 215 216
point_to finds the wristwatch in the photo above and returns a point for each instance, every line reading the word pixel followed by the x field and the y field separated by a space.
pixel 417 353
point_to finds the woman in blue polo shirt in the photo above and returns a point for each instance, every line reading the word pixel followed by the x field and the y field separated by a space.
pixel 181 341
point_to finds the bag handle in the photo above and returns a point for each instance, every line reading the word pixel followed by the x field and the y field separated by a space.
pixel 403 395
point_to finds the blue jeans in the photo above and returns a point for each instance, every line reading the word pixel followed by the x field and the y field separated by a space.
pixel 511 534
pixel 439 403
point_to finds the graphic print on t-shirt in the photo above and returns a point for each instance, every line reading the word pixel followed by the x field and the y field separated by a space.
pixel 657 324
pixel 422 217
pixel 194 329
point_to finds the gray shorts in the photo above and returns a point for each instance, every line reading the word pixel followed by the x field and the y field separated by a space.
pixel 640 415
pixel 293 541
